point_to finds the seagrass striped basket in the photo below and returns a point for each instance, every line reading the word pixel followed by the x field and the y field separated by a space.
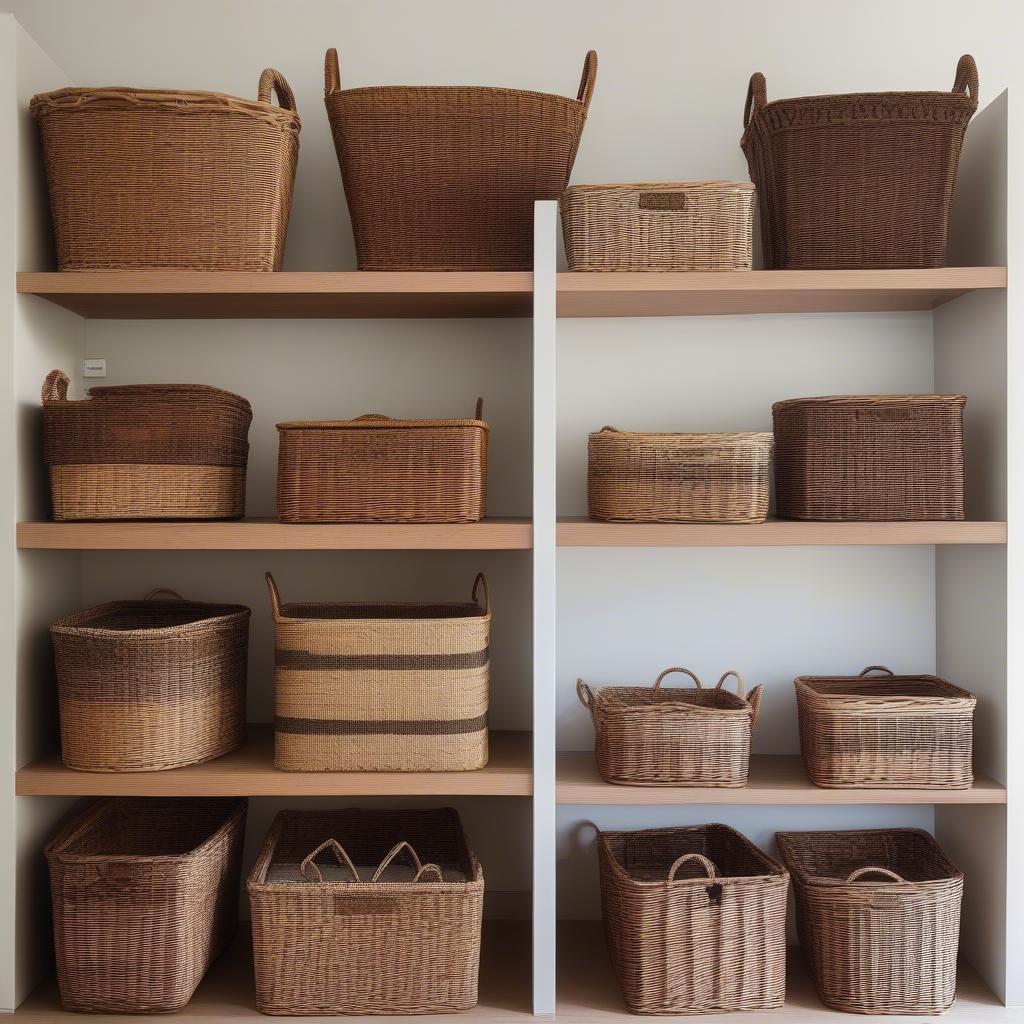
pixel 381 687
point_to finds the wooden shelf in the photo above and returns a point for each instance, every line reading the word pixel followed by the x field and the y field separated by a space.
pixel 250 772
pixel 774 779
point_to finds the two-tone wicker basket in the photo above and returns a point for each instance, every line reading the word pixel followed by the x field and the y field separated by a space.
pixel 145 896
pixel 655 736
pixel 695 920
pixel 878 914
pixel 366 932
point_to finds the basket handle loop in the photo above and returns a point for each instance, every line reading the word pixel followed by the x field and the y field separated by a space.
pixel 275 597
pixel 371 416
pixel 479 412
pixel 967 77
pixel 55 387
pixel 588 80
pixel 709 868
pixel 754 700
pixel 685 671
pixel 481 581
pixel 163 590
pixel 308 867
pixel 741 688
pixel 421 868
pixel 876 668
pixel 608 430
pixel 757 97
pixel 585 694
pixel 272 80
pixel 890 876
pixel 332 77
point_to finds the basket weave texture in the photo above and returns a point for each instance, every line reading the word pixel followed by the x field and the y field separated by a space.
pixel 899 732
pixel 878 914
pixel 870 457
pixel 152 684
pixel 145 897
pixel 202 181
pixel 857 181
pixel 667 226
pixel 445 177
pixel 662 736
pixel 367 933
pixel 381 687
pixel 695 920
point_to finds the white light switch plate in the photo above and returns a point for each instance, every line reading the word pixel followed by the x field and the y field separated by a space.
pixel 94 368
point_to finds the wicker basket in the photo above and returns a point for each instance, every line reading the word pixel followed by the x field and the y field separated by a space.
pixel 375 469
pixel 366 933
pixel 682 478
pixel 145 896
pixel 858 181
pixel 203 181
pixel 870 457
pixel 381 687
pixel 689 225
pixel 902 732
pixel 152 684
pixel 650 736
pixel 145 451
pixel 878 913
pixel 695 920
pixel 445 177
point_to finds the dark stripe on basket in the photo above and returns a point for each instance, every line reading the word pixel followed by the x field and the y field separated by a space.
pixel 380 662
pixel 415 727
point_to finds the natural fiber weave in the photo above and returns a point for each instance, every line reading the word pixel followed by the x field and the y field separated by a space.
pixel 900 732
pixel 143 179
pixel 650 736
pixel 153 684
pixel 381 687
pixel 347 938
pixel 857 181
pixel 145 897
pixel 878 914
pixel 695 920
pixel 375 469
pixel 445 177
pixel 870 457
pixel 694 478
pixel 667 226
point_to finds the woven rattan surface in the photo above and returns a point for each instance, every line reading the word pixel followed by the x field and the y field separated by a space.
pixel 870 457
pixel 445 177
pixel 857 181
pixel 202 181
pixel 878 913
pixel 145 896
pixel 679 225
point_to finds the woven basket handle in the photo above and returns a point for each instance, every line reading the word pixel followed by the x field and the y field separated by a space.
pixel 876 668
pixel 741 688
pixel 332 76
pixel 371 416
pixel 585 694
pixel 55 387
pixel 151 596
pixel 609 430
pixel 311 873
pixel 685 671
pixel 275 597
pixel 589 79
pixel 273 81
pixel 754 700
pixel 421 868
pixel 481 581
pixel 890 876
pixel 478 413
pixel 757 97
pixel 967 77
pixel 709 868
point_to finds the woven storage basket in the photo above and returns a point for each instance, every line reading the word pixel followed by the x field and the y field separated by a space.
pixel 689 225
pixel 857 181
pixel 152 684
pixel 145 896
pixel 900 732
pixel 445 177
pixel 654 736
pixel 145 451
pixel 367 934
pixel 375 469
pixel 695 920
pixel 202 181
pixel 870 457
pixel 381 687
pixel 662 478
pixel 878 914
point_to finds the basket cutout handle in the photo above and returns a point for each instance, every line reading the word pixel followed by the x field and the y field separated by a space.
pixel 55 387
pixel 708 865
pixel 754 700
pixel 478 413
pixel 332 76
pixel 421 869
pixel 876 668
pixel 757 97
pixel 741 688
pixel 311 873
pixel 275 597
pixel 372 416
pixel 151 596
pixel 271 80
pixel 669 671
pixel 481 581
pixel 585 694
pixel 890 876
pixel 966 80
pixel 588 79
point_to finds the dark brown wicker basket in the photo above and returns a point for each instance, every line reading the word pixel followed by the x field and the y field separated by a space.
pixel 857 181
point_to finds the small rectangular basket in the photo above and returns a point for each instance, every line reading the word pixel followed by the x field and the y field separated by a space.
pixel 145 897
pixel 381 687
pixel 366 934
pixel 870 458
pixel 152 684
pixel 375 469
pixel 878 915
pixel 145 451
pixel 678 478
pixel 695 920
pixel 898 732
pixel 659 226
pixel 655 736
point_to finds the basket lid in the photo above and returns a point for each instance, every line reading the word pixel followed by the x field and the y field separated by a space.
pixel 663 186
pixel 378 421
pixel 869 401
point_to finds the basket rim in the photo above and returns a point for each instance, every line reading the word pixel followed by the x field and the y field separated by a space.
pixel 77 622
pixel 664 186
pixel 482 614
pixel 675 705
pixel 954 694
pixel 759 437
pixel 906 95
pixel 117 392
pixel 871 400
pixel 476 90
pixel 381 424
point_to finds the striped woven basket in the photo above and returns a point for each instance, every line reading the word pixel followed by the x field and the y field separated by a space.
pixel 381 687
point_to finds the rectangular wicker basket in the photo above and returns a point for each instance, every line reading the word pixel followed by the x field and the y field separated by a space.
pixel 375 469
pixel 655 736
pixel 365 934
pixel 145 897
pixel 695 920
pixel 381 687
pixel 870 457
pixel 685 478
pixel 666 226
pixel 878 914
